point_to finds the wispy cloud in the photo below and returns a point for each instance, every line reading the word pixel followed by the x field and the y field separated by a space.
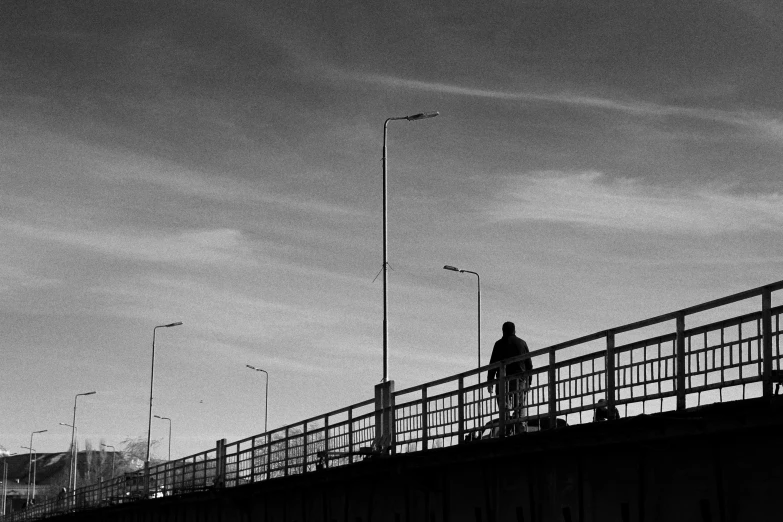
pixel 769 125
pixel 18 277
pixel 590 198
pixel 201 246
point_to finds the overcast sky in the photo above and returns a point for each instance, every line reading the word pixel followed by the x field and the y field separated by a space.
pixel 219 164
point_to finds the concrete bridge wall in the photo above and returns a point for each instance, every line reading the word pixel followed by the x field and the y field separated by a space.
pixel 718 463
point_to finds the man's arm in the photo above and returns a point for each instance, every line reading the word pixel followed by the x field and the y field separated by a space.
pixel 492 373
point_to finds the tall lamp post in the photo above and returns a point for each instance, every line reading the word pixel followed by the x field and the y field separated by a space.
pixel 113 452
pixel 166 418
pixel 266 393
pixel 30 466
pixel 478 280
pixel 74 465
pixel 414 117
pixel 5 479
pixel 152 381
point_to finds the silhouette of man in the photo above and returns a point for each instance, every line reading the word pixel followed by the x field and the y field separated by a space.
pixel 517 383
pixel 603 413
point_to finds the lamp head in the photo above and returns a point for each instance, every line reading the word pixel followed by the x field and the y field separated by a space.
pixel 422 116
pixel 172 324
pixel 452 268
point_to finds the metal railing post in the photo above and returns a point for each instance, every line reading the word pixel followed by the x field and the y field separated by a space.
pixel 552 387
pixel 253 461
pixel 461 408
pixel 501 396
pixel 326 441
pixel 285 458
pixel 304 449
pixel 424 423
pixel 610 374
pixel 766 340
pixel 220 464
pixel 680 348
pixel 389 416
pixel 268 444
pixel 350 435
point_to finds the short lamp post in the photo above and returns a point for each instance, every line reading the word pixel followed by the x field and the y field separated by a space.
pixel 414 117
pixel 113 452
pixel 5 480
pixel 266 394
pixel 168 419
pixel 478 280
pixel 30 466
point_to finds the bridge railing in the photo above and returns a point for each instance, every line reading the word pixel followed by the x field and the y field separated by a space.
pixel 730 356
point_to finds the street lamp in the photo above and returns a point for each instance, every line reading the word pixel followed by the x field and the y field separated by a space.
pixel 166 418
pixel 35 468
pixel 152 380
pixel 5 478
pixel 414 117
pixel 113 452
pixel 30 466
pixel 478 280
pixel 75 454
pixel 266 393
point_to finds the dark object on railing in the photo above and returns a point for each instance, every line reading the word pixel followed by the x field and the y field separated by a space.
pixel 545 423
pixel 604 413
pixel 365 452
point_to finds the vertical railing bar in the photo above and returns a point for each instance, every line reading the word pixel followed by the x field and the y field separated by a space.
pixel 502 396
pixel 680 369
pixel 628 380
pixel 424 420
pixel 304 448
pixel 610 373
pixel 689 362
pixel 285 454
pixel 350 435
pixel 739 329
pixel 552 389
pixel 760 349
pixel 766 319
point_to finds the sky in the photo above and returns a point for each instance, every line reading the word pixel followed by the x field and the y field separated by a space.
pixel 219 163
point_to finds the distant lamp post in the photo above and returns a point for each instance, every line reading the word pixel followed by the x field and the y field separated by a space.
pixel 5 479
pixel 75 454
pixel 70 467
pixel 113 452
pixel 166 418
pixel 414 117
pixel 266 393
pixel 152 381
pixel 478 280
pixel 30 466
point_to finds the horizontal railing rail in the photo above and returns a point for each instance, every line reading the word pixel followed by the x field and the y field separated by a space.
pixel 667 371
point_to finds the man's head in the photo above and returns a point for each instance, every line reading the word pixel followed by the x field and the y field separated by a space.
pixel 508 328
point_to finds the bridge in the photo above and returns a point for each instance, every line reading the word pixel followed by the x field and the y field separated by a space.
pixel 694 437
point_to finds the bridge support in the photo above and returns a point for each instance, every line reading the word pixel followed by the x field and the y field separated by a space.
pixel 384 417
